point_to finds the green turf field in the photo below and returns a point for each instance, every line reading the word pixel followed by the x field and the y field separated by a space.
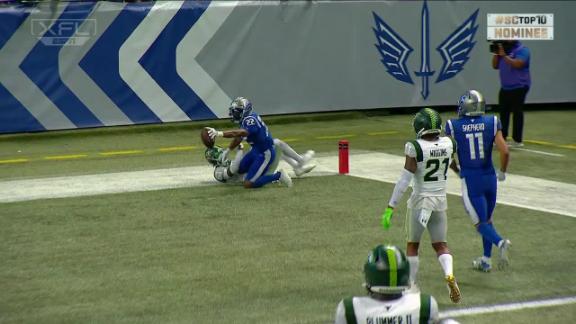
pixel 204 255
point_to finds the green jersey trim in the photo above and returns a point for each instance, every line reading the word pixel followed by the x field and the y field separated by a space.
pixel 349 311
pixel 418 148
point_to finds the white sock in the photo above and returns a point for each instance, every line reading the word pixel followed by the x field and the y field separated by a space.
pixel 414 261
pixel 446 263
pixel 486 259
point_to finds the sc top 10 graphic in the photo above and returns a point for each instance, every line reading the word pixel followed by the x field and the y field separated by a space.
pixel 507 26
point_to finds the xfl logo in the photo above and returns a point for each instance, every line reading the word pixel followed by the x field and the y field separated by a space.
pixel 63 32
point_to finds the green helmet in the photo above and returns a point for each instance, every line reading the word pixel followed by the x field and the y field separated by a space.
pixel 212 155
pixel 387 270
pixel 427 121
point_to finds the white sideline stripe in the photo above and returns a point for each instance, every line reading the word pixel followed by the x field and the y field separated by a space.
pixel 538 152
pixel 519 191
pixel 190 46
pixel 134 74
pixel 78 81
pixel 18 83
pixel 507 307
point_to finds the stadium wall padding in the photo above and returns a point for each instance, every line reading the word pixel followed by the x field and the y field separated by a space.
pixel 91 64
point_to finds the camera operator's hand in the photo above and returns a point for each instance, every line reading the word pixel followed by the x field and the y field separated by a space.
pixel 501 51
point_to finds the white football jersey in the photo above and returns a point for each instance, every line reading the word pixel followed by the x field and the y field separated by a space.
pixel 433 159
pixel 410 308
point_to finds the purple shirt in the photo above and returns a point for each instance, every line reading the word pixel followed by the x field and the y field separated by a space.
pixel 511 78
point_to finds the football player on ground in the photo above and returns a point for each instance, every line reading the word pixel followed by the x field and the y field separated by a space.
pixel 387 275
pixel 475 135
pixel 427 161
pixel 225 170
pixel 258 160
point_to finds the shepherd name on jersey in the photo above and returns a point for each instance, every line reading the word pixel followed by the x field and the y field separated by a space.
pixel 474 136
pixel 258 136
pixel 406 310
pixel 433 159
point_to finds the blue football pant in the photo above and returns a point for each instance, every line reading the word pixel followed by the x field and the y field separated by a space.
pixel 479 195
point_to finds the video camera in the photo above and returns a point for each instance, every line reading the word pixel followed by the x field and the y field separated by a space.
pixel 506 45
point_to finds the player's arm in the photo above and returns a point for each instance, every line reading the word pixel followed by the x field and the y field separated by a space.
pixel 410 166
pixel 454 166
pixel 235 133
pixel 235 142
pixel 406 176
pixel 504 153
pixel 495 61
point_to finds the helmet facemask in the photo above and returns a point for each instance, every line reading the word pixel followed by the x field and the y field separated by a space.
pixel 239 109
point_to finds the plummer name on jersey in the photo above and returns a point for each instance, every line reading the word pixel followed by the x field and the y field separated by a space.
pixel 407 319
pixel 473 127
pixel 438 152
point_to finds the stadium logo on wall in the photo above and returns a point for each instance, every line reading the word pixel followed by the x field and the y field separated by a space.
pixel 455 50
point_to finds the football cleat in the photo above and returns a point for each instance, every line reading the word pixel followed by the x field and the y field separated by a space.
pixel 285 178
pixel 455 295
pixel 504 255
pixel 304 169
pixel 306 157
pixel 481 265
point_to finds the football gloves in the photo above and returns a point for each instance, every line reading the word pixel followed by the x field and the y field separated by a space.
pixel 387 217
pixel 214 133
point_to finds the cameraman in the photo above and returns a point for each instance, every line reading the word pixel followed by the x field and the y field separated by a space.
pixel 513 60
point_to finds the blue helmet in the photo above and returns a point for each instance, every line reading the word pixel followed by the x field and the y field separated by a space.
pixel 471 104
pixel 239 109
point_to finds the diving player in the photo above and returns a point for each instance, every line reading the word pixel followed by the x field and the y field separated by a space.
pixel 475 135
pixel 258 160
pixel 427 161
pixel 387 280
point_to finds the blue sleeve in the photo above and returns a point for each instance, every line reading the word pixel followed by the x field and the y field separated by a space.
pixel 523 54
pixel 498 124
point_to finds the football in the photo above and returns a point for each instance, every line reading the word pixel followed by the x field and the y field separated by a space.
pixel 208 142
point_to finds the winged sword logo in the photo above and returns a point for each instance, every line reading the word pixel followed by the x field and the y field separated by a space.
pixel 454 50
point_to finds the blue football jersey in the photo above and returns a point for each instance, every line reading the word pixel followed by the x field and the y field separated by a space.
pixel 258 135
pixel 474 136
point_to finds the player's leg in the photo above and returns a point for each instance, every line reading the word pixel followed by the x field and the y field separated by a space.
pixel 246 161
pixel 300 163
pixel 235 164
pixel 476 206
pixel 414 234
pixel 257 174
pixel 519 96
pixel 438 229
pixel 504 106
pixel 503 244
